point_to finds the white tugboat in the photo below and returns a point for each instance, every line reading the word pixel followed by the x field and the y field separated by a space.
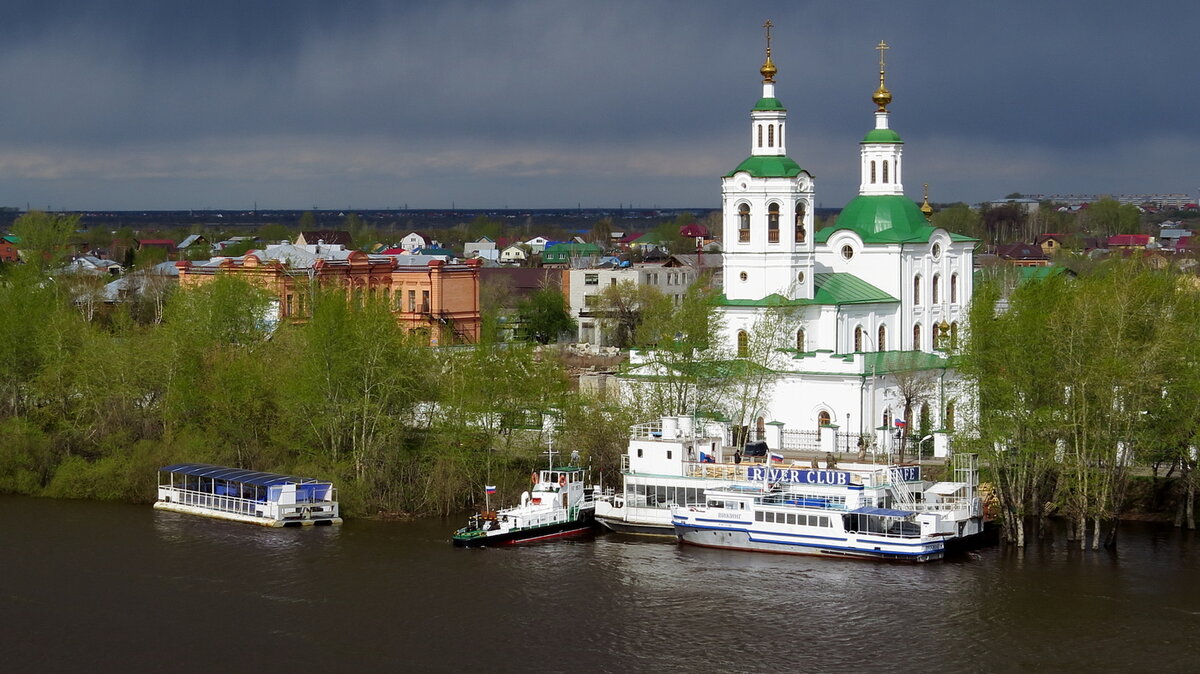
pixel 558 504
pixel 842 513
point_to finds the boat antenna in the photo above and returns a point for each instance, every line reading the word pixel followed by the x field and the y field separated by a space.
pixel 550 450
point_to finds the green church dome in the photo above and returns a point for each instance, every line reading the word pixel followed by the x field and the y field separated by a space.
pixel 881 219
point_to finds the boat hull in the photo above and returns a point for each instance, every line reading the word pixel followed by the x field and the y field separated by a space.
pixel 528 535
pixel 623 527
pixel 741 539
pixel 246 519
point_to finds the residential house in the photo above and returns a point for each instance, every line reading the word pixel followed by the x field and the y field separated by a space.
pixel 1050 244
pixel 165 245
pixel 415 241
pixel 327 236
pixel 1023 255
pixel 515 254
pixel 1129 241
pixel 426 295
pixel 88 264
pixel 538 243
pixel 8 249
pixel 562 254
pixel 1170 237
pixel 482 247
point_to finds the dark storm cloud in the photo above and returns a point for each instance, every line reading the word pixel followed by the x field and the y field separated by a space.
pixel 159 104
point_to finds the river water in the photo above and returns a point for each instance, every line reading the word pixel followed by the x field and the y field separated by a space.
pixel 90 586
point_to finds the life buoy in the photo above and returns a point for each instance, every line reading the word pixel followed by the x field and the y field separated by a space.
pixel 562 480
pixel 535 478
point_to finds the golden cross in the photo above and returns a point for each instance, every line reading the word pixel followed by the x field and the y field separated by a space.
pixel 881 48
pixel 768 25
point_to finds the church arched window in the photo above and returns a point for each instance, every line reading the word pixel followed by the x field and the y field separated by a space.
pixel 887 418
pixel 916 337
pixel 773 223
pixel 743 344
pixel 823 419
pixel 885 171
pixel 954 335
pixel 917 289
pixel 937 282
pixel 954 288
pixel 760 135
pixel 770 135
pixel 743 223
pixel 881 345
pixel 872 172
pixel 800 211
pixel 800 340
pixel 948 420
pixel 858 338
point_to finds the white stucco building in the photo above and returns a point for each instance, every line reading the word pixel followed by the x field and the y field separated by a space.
pixel 861 307
pixel 583 287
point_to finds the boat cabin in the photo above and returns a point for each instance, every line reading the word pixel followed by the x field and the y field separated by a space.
pixel 268 499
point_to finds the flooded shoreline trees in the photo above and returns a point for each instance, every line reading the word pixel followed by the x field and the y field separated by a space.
pixel 1079 381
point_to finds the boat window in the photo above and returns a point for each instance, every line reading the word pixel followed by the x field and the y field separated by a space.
pixel 668 454
pixel 639 452
pixel 716 504
pixel 791 518
pixel 824 520
pixel 758 516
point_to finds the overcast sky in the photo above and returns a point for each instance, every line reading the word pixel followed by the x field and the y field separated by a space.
pixel 224 104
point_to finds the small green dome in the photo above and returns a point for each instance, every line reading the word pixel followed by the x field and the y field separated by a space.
pixel 882 136
pixel 769 104
pixel 768 167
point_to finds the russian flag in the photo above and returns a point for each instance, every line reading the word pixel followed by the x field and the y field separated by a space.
pixel 900 423
pixel 776 457
pixel 490 488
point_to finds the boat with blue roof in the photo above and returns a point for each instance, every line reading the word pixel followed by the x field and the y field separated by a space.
pixel 266 499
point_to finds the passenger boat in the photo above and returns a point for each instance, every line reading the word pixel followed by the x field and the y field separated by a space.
pixel 840 513
pixel 558 504
pixel 266 499
pixel 668 462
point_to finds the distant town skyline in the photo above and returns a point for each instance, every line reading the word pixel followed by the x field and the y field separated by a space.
pixel 292 105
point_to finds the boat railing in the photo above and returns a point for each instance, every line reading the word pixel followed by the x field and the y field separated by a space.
pixel 231 504
pixel 245 506
pixel 717 471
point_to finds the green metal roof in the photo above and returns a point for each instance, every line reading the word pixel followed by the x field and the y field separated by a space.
pixel 882 219
pixel 569 250
pixel 769 104
pixel 831 289
pixel 847 289
pixel 882 136
pixel 768 167
pixel 883 362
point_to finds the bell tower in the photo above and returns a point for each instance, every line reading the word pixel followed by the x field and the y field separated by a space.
pixel 767 207
pixel 882 148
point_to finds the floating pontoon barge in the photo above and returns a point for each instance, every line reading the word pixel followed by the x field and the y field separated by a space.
pixel 266 499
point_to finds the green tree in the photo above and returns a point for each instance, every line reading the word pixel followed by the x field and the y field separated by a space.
pixel 45 237
pixel 543 316
pixel 622 307
pixel 274 232
pixel 960 219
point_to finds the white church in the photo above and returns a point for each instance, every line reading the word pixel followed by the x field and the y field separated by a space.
pixel 857 313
